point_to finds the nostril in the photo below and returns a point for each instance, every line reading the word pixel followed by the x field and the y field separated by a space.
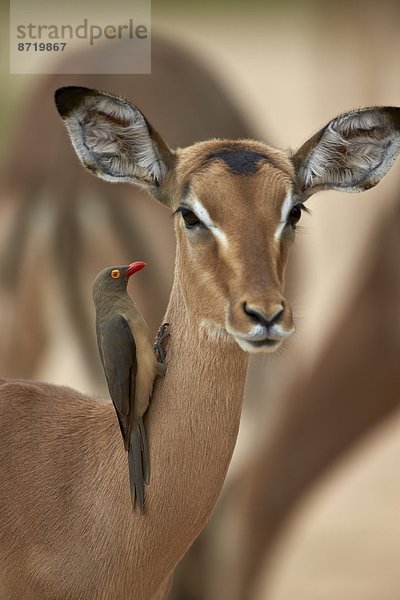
pixel 252 313
pixel 260 317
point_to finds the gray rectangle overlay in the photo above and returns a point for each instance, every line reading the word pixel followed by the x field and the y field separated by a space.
pixel 62 37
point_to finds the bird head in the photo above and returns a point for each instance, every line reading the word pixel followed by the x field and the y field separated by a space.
pixel 114 279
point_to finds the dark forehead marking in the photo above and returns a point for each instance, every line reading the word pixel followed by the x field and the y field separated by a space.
pixel 240 161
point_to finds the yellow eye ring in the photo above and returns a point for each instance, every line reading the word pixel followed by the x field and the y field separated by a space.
pixel 115 273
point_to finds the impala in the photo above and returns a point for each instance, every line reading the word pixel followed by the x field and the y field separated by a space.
pixel 67 527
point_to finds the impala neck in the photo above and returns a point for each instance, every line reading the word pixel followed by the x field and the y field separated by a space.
pixel 192 425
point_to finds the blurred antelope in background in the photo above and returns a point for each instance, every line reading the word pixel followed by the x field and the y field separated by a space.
pixel 236 206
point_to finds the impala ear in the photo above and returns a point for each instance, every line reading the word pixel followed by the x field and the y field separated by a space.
pixel 352 153
pixel 113 139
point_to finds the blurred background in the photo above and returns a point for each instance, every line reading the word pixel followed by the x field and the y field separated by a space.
pixel 310 509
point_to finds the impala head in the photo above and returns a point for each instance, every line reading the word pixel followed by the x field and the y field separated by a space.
pixel 236 203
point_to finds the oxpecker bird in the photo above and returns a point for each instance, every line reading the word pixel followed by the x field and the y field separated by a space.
pixel 129 363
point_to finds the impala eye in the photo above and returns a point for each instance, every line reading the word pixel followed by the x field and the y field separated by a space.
pixel 295 215
pixel 191 220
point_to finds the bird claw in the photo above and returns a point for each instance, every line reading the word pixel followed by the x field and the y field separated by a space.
pixel 158 346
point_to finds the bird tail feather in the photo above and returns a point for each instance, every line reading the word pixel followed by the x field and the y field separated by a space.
pixel 145 453
pixel 138 459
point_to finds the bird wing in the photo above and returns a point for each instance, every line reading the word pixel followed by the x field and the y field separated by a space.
pixel 118 355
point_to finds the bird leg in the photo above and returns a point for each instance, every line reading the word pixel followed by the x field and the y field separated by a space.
pixel 158 346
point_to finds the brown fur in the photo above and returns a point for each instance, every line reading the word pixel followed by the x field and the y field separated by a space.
pixel 67 514
pixel 65 489
pixel 66 511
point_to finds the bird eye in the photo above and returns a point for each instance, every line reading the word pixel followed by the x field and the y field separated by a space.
pixel 191 220
pixel 295 215
pixel 115 273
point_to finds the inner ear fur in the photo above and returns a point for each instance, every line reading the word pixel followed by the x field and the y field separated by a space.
pixel 113 138
pixel 351 153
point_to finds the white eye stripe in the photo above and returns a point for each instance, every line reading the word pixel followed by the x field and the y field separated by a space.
pixel 287 206
pixel 220 235
pixel 202 213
